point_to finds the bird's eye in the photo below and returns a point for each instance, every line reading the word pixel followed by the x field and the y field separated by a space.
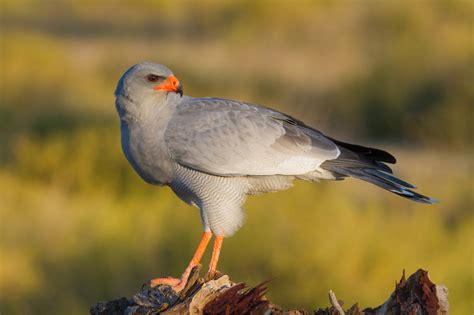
pixel 154 78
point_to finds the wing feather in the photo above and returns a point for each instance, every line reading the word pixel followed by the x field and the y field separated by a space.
pixel 231 138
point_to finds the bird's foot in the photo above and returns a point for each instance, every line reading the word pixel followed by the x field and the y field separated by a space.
pixel 179 285
pixel 166 281
pixel 176 284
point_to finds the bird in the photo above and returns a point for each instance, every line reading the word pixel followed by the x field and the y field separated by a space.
pixel 214 152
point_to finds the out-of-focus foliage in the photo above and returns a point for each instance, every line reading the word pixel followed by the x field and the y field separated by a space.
pixel 77 225
pixel 378 70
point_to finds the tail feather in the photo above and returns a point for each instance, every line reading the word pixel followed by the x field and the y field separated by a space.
pixel 384 175
pixel 380 179
pixel 368 165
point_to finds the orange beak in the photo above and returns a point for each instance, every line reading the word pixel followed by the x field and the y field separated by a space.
pixel 171 84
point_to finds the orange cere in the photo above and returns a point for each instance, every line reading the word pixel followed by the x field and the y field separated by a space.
pixel 170 84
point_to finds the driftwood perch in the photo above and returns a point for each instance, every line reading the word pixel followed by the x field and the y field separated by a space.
pixel 415 295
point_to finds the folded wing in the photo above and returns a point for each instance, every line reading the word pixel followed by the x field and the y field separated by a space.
pixel 231 138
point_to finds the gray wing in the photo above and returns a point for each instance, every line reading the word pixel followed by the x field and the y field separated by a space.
pixel 230 138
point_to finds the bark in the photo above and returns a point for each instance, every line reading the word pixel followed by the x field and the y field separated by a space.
pixel 416 295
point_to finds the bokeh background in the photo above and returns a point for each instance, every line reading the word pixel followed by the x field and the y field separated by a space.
pixel 79 226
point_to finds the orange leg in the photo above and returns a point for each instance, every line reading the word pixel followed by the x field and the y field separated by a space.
pixel 215 255
pixel 178 284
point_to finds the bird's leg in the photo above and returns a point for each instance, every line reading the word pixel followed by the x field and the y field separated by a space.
pixel 215 256
pixel 178 284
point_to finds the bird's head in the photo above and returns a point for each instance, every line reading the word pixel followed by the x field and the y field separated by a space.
pixel 147 80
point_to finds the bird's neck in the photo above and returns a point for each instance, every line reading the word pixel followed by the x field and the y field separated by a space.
pixel 146 110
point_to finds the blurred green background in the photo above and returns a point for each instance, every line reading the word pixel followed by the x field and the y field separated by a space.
pixel 79 226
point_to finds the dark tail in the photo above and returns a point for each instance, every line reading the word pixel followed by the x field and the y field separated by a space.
pixel 368 164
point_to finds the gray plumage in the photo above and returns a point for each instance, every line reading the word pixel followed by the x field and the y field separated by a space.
pixel 214 152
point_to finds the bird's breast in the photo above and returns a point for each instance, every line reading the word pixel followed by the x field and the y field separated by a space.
pixel 145 149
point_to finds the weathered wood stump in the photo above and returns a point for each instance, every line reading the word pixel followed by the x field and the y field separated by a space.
pixel 416 295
